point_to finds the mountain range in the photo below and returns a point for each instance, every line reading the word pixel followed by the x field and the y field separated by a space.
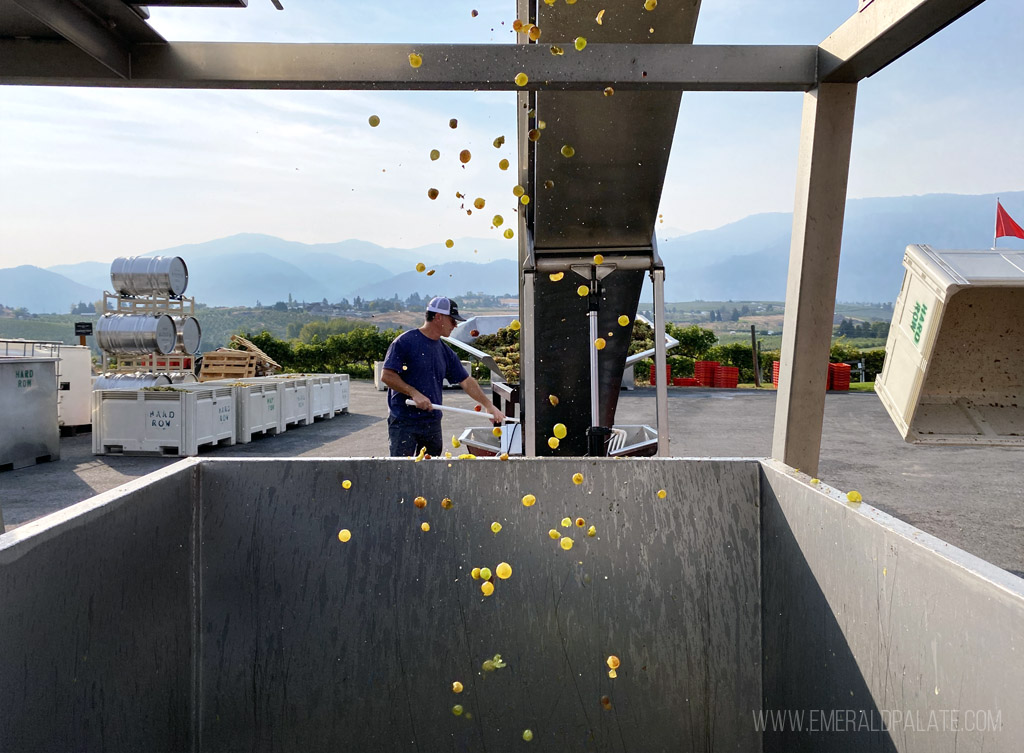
pixel 745 260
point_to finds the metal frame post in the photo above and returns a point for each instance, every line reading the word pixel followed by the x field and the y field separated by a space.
pixel 823 168
pixel 661 388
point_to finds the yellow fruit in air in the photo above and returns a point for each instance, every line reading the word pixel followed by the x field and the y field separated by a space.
pixel 613 662
pixel 521 79
pixel 566 522
pixel 556 276
pixel 855 497
pixel 456 687
pixel 529 500
pixel 608 91
pixel 374 121
pixel 346 484
pixel 508 233
pixel 487 588
pixel 496 220
pixel 479 203
pixel 424 527
pixel 579 44
pixel 434 155
pixel 662 494
pixel 503 165
pixel 623 320
pixel 556 50
pixel 650 4
pixel 465 156
pixel 514 325
pixel 420 502
pixel 499 142
pixel 518 190
pixel 565 543
pixel 503 570
pixel 580 522
pixel 553 443
pixel 449 243
pixel 446 503
pixel 599 343
pixel 496 431
pixel 455 441
pixel 433 193
pixel 415 60
pixel 344 535
pixel 420 266
pixel 592 531
pixel 485 573
pixel 553 533
pixel 475 572
pixel 559 431
pixel 553 399
pixel 495 527
pixel 534 33
pixel 598 259
pixel 582 291
pixel 577 478
pixel 567 151
pixel 527 735
pixel 524 199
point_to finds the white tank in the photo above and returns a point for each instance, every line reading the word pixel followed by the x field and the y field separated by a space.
pixel 126 334
pixel 149 275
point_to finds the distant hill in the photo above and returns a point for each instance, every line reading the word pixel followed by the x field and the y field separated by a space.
pixel 748 259
pixel 42 292
pixel 745 260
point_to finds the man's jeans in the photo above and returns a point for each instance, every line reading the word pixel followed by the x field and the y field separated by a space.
pixel 408 436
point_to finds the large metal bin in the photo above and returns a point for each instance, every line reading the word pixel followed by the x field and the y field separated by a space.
pixel 164 421
pixel 212 607
pixel 28 412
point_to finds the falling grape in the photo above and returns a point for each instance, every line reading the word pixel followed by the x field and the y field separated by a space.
pixel 424 527
pixel 485 573
pixel 527 735
pixel 650 4
pixel 553 399
pixel 553 443
pixel 457 709
pixel 580 522
pixel 534 34
pixel 434 155
pixel 465 156
pixel 559 431
pixel 521 79
pixel 479 203
pixel 517 25
pixel 577 478
pixel 556 276
pixel 453 123
pixel 580 43
pixel 662 494
pixel 565 543
pixel 608 91
pixel 449 243
pixel 592 531
pixel 475 572
pixel 613 662
pixel 556 50
pixel 420 266
pixel 374 121
pixel 623 321
pixel 508 233
pixel 415 60
pixel 567 151
pixel 582 291
pixel 456 687
pixel 533 134
pixel 497 220
pixel 518 190
pixel 600 17
pixel 524 199
pixel 598 259
pixel 514 325
pixel 346 484
pixel 599 343
pixel 503 165
pixel 344 535
pixel 566 522
pixel 553 533
pixel 420 502
pixel 432 193
pixel 549 184
pixel 495 527
pixel 503 570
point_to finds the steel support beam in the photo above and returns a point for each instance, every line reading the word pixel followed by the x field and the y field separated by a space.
pixel 823 167
pixel 83 30
pixel 881 33
pixel 223 65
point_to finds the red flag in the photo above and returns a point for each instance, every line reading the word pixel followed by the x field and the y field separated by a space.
pixel 1005 226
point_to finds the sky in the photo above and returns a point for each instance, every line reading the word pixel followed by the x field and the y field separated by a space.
pixel 90 174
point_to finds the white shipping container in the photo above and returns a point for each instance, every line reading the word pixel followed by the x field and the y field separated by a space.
pixel 954 364
pixel 164 422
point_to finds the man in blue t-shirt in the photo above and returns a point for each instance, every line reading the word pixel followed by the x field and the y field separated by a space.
pixel 416 365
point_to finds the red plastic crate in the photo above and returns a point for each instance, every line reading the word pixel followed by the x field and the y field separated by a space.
pixel 775 373
pixel 704 372
pixel 727 376
pixel 839 376
pixel 668 374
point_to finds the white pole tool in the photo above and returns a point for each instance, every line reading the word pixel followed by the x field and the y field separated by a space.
pixel 468 412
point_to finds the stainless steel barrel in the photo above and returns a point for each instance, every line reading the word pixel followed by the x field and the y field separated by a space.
pixel 149 275
pixel 136 381
pixel 125 334
pixel 185 377
pixel 190 334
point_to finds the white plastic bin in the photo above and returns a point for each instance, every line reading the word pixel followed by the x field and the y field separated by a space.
pixel 167 421
pixel 954 366
pixel 378 371
pixel 256 405
pixel 295 403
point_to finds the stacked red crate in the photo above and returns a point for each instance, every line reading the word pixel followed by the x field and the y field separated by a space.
pixel 727 376
pixel 689 382
pixel 704 372
pixel 668 374
pixel 839 376
pixel 775 374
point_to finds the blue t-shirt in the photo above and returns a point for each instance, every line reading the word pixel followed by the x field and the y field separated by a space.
pixel 427 363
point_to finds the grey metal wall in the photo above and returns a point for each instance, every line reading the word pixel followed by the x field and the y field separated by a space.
pixel 892 638
pixel 96 623
pixel 311 644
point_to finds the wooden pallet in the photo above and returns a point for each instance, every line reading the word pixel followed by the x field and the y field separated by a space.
pixel 228 364
pixel 265 365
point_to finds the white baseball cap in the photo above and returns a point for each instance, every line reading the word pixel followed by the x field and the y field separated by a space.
pixel 445 306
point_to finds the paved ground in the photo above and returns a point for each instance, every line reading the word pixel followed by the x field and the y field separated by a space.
pixel 970 497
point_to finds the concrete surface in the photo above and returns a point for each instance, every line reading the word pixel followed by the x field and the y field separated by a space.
pixel 969 497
